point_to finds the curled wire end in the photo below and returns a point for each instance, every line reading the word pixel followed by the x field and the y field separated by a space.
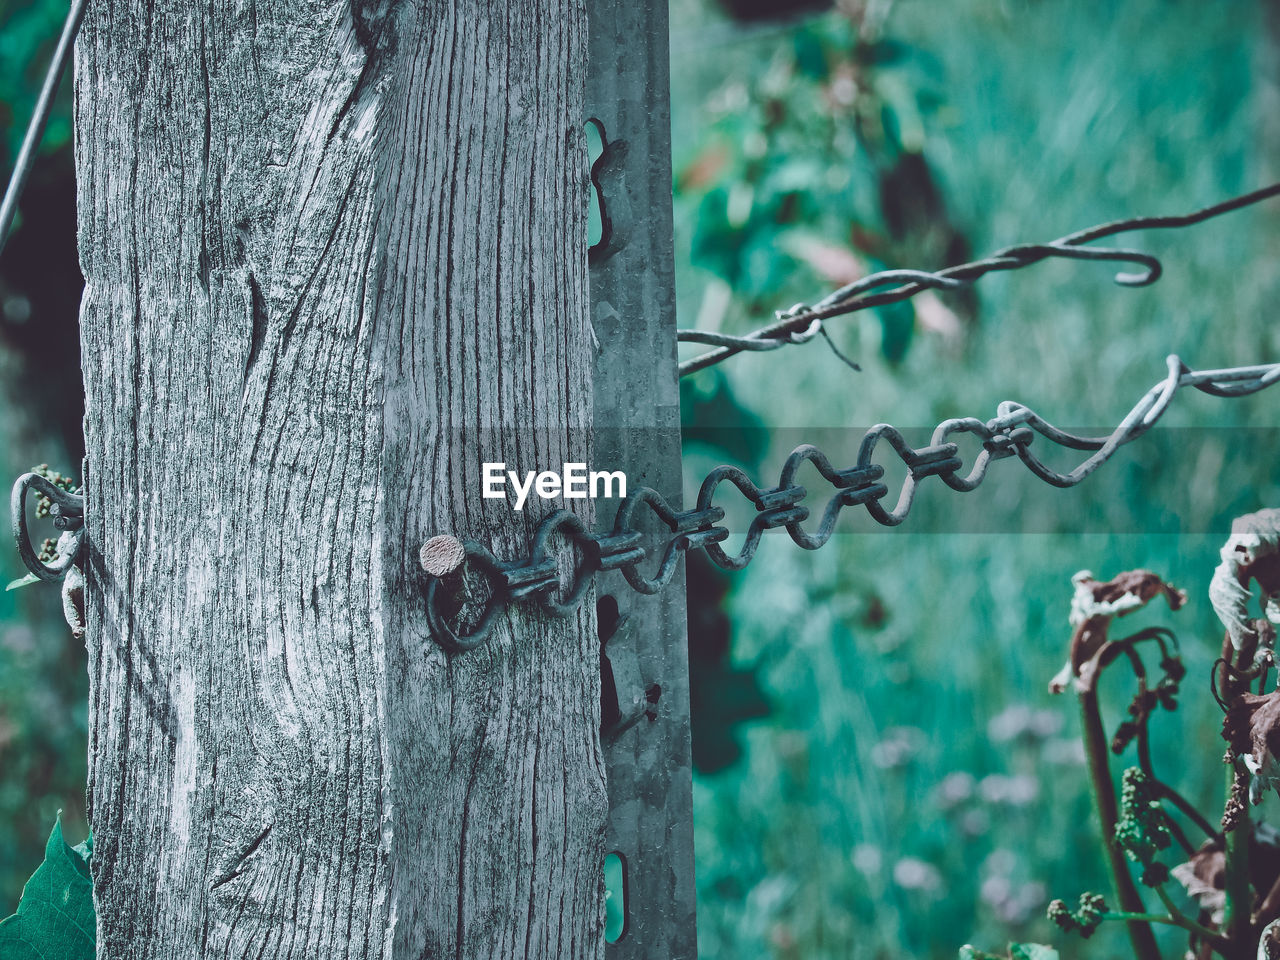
pixel 845 358
pixel 1150 276
pixel 68 512
pixel 1031 253
pixel 795 310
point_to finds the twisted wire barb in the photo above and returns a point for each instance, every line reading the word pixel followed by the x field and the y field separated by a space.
pixel 1009 434
pixel 803 322
pixel 39 119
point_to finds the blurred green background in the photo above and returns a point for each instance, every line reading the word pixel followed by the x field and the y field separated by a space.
pixel 880 770
pixel 43 680
pixel 914 787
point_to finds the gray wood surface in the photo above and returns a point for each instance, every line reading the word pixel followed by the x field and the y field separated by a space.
pixel 335 258
pixel 637 412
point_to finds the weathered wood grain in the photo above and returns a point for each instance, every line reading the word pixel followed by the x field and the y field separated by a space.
pixel 335 258
pixel 637 419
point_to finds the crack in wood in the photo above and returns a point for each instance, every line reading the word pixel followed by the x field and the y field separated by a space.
pixel 238 867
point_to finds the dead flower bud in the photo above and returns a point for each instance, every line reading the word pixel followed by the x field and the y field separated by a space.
pixel 1251 554
pixel 1252 727
pixel 1205 878
pixel 1234 812
pixel 1095 604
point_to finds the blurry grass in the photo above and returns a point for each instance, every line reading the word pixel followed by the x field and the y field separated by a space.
pixel 1055 115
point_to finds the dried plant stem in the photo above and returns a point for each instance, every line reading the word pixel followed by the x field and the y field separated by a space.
pixel 1143 739
pixel 1104 799
pixel 1239 899
pixel 1239 904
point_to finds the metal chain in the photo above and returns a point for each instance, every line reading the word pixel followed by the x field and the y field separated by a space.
pixel 537 576
pixel 802 322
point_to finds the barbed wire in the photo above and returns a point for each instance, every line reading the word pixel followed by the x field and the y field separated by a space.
pixel 802 322
pixel 39 119
pixel 537 577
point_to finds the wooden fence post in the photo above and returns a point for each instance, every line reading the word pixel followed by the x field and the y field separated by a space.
pixel 637 420
pixel 335 259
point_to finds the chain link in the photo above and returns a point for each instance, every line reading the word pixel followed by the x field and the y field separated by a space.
pixel 1009 434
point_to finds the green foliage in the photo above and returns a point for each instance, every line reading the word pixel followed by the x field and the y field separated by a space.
pixel 787 178
pixel 55 918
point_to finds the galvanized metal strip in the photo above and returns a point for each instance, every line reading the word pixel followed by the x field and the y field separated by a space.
pixel 637 418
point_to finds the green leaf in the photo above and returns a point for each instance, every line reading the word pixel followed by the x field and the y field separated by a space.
pixel 22 581
pixel 1032 951
pixel 55 919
